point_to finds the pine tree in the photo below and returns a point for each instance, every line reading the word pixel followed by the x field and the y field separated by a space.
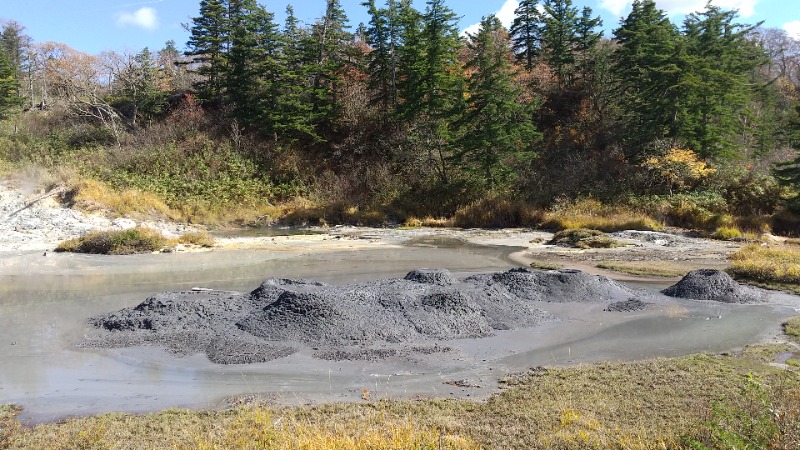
pixel 715 83
pixel 647 70
pixel 788 173
pixel 330 41
pixel 586 39
pixel 252 65
pixel 294 117
pixel 381 60
pixel 433 85
pixel 410 64
pixel 13 43
pixel 208 45
pixel 496 125
pixel 559 35
pixel 526 32
pixel 9 87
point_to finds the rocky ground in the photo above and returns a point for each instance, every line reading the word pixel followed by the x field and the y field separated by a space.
pixel 34 220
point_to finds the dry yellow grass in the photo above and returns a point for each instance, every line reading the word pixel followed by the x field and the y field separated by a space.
pixel 427 221
pixel 92 196
pixel 591 214
pixel 778 264
pixel 497 212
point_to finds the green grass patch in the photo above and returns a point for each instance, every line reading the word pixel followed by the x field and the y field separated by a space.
pixel 116 242
pixel 644 268
pixel 584 238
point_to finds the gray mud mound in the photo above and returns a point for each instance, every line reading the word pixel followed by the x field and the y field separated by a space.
pixel 374 320
pixel 441 277
pixel 188 322
pixel 557 286
pixel 630 305
pixel 716 285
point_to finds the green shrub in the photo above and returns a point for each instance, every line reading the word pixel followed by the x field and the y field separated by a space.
pixel 117 242
pixel 726 233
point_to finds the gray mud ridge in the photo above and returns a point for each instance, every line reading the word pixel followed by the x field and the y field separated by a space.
pixel 716 285
pixel 374 320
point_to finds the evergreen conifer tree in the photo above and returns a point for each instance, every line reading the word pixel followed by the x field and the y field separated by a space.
pixel 526 32
pixel 496 126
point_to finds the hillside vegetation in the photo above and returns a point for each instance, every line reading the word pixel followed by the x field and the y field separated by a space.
pixel 402 120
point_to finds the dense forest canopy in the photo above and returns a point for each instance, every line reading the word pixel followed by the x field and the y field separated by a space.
pixel 403 113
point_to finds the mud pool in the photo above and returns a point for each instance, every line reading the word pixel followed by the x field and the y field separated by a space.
pixel 45 302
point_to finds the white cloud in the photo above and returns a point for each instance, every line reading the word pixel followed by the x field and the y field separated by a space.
pixel 616 7
pixel 505 14
pixel 746 8
pixel 146 18
pixel 793 28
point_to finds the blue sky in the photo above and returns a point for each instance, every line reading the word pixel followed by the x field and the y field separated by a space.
pixel 93 26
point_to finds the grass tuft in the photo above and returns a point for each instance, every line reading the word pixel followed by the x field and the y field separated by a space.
pixel 727 234
pixel 792 328
pixel 428 222
pixel 545 265
pixel 198 238
pixel 584 238
pixel 116 242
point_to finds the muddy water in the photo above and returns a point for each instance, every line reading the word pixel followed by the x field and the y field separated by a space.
pixel 45 300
